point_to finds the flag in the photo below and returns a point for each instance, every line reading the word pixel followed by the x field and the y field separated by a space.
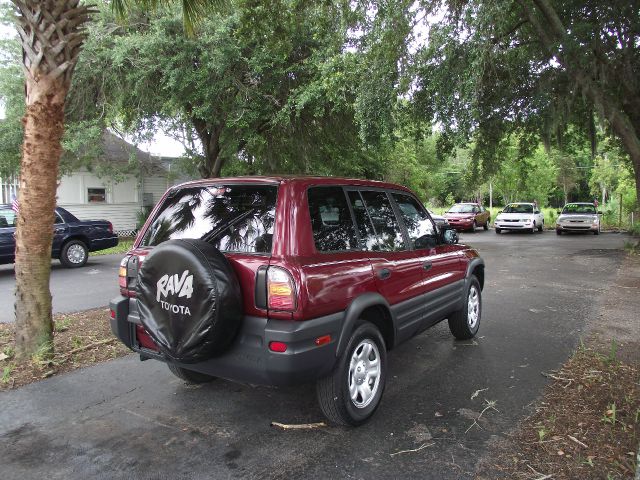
pixel 14 203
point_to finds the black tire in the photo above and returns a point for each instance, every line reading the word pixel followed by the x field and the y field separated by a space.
pixel 498 230
pixel 558 232
pixel 189 300
pixel 333 391
pixel 533 229
pixel 460 322
pixel 190 376
pixel 486 225
pixel 597 232
pixel 74 254
pixel 541 227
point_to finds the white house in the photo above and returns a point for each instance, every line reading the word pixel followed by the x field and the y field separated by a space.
pixel 120 200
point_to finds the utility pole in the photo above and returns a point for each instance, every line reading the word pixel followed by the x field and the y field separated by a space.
pixel 490 196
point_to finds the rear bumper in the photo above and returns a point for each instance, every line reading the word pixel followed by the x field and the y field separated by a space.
pixel 103 243
pixel 249 358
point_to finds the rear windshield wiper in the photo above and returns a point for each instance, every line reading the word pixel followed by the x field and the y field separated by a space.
pixel 211 234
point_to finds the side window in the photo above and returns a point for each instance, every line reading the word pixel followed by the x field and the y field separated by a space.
pixel 368 237
pixel 331 221
pixel 7 218
pixel 384 221
pixel 422 233
pixel 58 219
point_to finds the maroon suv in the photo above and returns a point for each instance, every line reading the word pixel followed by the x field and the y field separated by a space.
pixel 276 281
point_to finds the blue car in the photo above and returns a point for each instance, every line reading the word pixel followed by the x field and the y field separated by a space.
pixel 73 239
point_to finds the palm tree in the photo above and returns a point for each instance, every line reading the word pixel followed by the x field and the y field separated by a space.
pixel 52 33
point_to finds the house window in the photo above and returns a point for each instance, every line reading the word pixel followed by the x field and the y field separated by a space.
pixel 96 195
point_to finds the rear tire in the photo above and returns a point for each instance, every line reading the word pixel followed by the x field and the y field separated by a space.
pixel 351 394
pixel 464 323
pixel 74 254
pixel 190 376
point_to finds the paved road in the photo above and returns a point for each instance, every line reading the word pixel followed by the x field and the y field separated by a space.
pixel 130 419
pixel 72 289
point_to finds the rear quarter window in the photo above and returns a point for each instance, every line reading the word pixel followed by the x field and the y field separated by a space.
pixel 233 218
pixel 331 221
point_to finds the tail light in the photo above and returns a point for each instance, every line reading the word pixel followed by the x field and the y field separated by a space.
pixel 110 227
pixel 281 292
pixel 122 275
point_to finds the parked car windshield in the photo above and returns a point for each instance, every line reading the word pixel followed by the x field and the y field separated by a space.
pixel 518 208
pixel 233 218
pixel 462 208
pixel 579 208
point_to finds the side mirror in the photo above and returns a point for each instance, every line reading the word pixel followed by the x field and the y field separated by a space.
pixel 537 211
pixel 449 234
pixel 499 211
pixel 559 212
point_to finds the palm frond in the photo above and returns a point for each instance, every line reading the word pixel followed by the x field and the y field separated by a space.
pixel 193 11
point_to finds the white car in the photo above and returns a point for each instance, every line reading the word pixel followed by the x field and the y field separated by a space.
pixel 578 217
pixel 520 216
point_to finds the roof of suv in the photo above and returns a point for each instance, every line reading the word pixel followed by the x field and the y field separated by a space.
pixel 304 180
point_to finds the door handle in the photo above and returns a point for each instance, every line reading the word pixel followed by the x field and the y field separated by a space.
pixel 58 230
pixel 427 265
pixel 384 273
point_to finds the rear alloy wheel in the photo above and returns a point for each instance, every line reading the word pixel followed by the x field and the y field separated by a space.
pixel 351 394
pixel 74 254
pixel 190 376
pixel 464 323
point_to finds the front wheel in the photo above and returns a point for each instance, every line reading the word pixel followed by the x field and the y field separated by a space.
pixel 486 225
pixel 351 394
pixel 533 228
pixel 464 323
pixel 541 226
pixel 498 230
pixel 558 231
pixel 74 254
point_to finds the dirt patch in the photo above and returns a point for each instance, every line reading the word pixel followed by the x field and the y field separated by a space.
pixel 587 423
pixel 80 339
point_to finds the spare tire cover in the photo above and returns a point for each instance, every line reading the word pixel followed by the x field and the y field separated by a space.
pixel 189 300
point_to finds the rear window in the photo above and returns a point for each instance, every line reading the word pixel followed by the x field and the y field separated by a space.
pixel 232 218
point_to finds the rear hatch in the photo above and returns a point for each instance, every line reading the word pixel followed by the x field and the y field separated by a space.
pixel 238 219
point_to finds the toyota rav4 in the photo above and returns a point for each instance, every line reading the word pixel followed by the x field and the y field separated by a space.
pixel 275 281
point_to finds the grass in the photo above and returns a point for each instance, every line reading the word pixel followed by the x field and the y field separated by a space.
pixel 124 245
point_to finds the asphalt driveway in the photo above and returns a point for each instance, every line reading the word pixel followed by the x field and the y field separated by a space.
pixel 72 289
pixel 131 419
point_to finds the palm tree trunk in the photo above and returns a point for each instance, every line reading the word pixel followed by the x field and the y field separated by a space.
pixel 43 129
pixel 51 34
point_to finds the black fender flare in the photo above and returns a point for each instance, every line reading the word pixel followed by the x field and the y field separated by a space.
pixel 476 262
pixel 353 312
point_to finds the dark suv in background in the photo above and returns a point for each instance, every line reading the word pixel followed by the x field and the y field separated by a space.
pixel 275 281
